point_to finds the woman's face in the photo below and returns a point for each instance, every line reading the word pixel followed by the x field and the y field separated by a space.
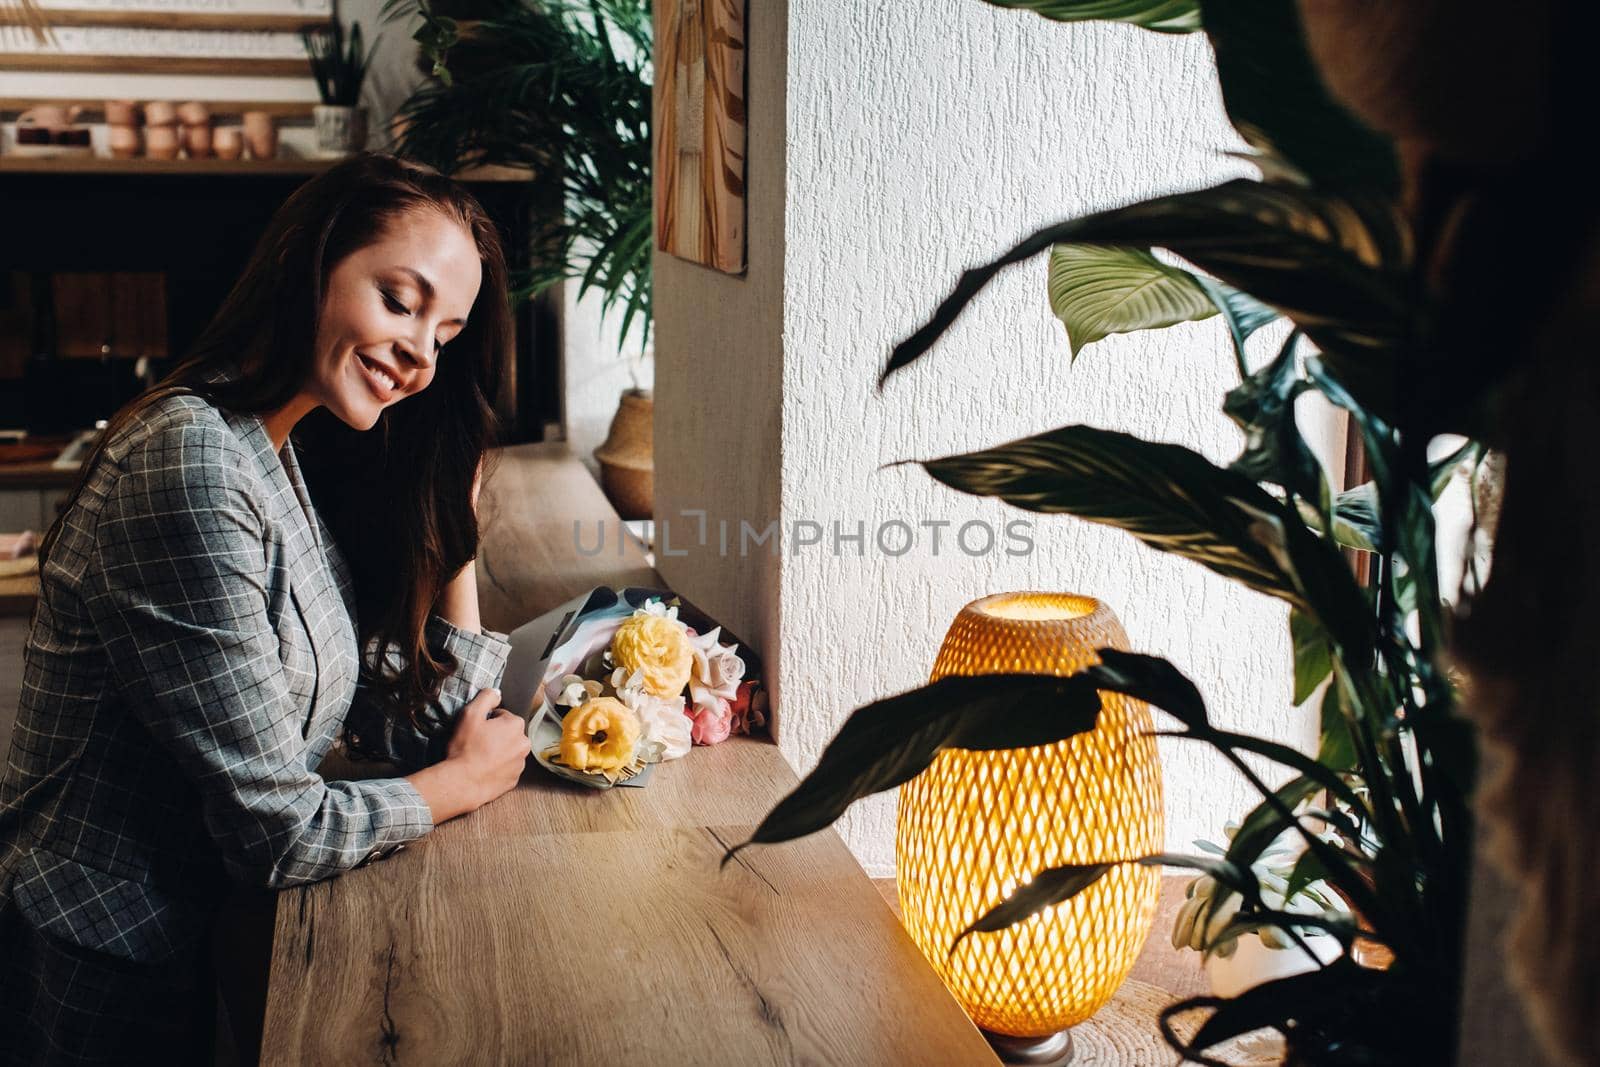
pixel 389 309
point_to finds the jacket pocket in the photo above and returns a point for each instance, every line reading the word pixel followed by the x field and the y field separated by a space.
pixel 91 909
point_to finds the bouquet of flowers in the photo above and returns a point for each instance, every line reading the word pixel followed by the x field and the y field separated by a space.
pixel 636 683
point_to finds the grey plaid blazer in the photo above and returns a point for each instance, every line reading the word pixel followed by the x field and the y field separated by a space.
pixel 191 659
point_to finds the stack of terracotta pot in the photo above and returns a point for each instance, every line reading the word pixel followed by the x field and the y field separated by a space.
pixel 168 128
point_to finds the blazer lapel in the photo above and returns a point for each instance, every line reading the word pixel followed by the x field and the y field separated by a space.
pixel 321 608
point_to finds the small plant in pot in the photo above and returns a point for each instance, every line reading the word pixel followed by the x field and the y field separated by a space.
pixel 1236 960
pixel 339 63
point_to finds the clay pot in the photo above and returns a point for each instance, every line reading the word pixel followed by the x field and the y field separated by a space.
pixel 161 142
pixel 227 142
pixel 627 458
pixel 194 113
pixel 341 131
pixel 50 116
pixel 160 113
pixel 124 141
pixel 197 141
pixel 122 113
pixel 261 134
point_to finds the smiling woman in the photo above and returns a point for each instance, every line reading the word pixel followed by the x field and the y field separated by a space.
pixel 385 322
pixel 212 616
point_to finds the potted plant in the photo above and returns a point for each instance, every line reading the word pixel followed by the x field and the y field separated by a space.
pixel 1324 240
pixel 340 66
pixel 1236 960
pixel 562 91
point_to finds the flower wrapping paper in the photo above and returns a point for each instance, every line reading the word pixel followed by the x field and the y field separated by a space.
pixel 724 693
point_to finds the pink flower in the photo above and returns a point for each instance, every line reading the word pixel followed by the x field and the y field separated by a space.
pixel 717 668
pixel 713 721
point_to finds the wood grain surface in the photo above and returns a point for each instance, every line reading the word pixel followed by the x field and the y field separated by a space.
pixel 565 925
pixel 700 132
pixel 548 534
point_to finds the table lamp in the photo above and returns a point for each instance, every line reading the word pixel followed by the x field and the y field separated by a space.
pixel 975 825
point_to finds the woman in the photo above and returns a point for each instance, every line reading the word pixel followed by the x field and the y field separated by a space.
pixel 210 616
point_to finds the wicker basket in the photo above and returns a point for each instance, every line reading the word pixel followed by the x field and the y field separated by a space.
pixel 627 458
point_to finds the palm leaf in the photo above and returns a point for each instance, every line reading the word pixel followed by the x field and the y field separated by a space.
pixel 1169 497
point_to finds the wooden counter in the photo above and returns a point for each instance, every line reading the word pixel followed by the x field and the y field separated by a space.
pixel 564 925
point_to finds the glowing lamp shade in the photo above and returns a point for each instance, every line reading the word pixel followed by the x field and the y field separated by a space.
pixel 975 825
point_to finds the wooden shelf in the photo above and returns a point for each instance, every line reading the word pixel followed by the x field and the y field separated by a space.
pixel 169 20
pixel 95 109
pixel 214 167
pixel 57 63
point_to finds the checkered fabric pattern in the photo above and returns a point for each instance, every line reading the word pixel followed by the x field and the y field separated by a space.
pixel 191 659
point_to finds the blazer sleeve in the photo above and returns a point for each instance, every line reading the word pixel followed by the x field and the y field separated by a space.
pixel 481 662
pixel 177 587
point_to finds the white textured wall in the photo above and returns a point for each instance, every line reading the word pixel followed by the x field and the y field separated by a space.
pixel 916 140
pixel 923 138
pixel 718 373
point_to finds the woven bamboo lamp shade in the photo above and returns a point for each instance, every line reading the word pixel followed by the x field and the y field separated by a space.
pixel 975 825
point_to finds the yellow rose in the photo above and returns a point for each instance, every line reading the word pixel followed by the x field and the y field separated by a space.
pixel 659 649
pixel 599 735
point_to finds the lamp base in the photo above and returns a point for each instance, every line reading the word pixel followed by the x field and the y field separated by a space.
pixel 1053 1050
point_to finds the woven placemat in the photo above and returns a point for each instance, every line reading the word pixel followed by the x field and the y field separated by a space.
pixel 1125 1033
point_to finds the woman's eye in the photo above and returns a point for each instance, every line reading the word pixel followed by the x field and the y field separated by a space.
pixel 394 304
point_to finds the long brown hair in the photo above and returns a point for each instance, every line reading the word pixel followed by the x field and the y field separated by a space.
pixel 398 497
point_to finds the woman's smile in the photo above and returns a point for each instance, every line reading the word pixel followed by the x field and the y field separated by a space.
pixel 384 383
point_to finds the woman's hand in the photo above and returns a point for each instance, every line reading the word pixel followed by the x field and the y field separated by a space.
pixel 485 759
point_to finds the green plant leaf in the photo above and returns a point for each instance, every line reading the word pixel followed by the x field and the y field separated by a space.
pixel 1098 291
pixel 1053 885
pixel 1306 871
pixel 1355 518
pixel 1336 745
pixel 1167 496
pixel 1355 511
pixel 1345 1012
pixel 1325 585
pixel 1266 822
pixel 1313 657
pixel 1335 265
pixel 1272 1002
pixel 1262 406
pixel 1256 921
pixel 1152 680
pixel 889 742
pixel 1242 313
pixel 1047 888
pixel 1294 759
pixel 1163 16
pixel 1277 100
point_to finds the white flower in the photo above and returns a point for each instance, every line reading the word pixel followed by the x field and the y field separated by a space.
pixel 574 690
pixel 718 670
pixel 654 606
pixel 665 724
